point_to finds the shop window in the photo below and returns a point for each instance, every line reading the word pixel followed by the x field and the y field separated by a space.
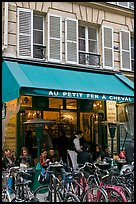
pixel 71 104
pixel 56 103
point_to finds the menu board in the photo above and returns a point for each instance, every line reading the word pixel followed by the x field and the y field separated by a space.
pixel 111 111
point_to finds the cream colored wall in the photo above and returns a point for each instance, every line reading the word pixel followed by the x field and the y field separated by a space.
pixel 83 12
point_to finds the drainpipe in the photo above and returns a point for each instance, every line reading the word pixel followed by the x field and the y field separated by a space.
pixel 5 28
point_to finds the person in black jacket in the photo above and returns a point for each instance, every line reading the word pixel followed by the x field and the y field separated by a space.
pixel 8 160
pixel 84 156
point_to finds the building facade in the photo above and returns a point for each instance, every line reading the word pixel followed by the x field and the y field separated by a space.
pixel 89 41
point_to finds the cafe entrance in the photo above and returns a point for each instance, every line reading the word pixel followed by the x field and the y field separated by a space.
pixel 67 115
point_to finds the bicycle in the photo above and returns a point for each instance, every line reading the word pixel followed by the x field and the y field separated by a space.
pixel 56 190
pixel 84 191
pixel 20 191
pixel 115 192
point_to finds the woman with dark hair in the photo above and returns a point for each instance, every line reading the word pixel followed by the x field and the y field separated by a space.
pixel 25 158
pixel 97 154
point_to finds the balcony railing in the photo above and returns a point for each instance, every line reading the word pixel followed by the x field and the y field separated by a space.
pixel 39 51
pixel 89 59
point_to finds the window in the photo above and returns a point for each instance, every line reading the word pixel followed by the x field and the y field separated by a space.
pixel 132 53
pixel 88 45
pixel 30 34
pixel 125 50
pixel 126 4
pixel 38 51
pixel 129 5
pixel 107 45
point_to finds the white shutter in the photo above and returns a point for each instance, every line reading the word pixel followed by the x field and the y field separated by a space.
pixel 25 33
pixel 125 54
pixel 108 52
pixel 54 38
pixel 71 41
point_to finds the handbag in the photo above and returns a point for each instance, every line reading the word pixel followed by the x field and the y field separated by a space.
pixel 42 177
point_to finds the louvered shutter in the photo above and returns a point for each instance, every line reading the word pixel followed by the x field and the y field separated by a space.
pixel 24 32
pixel 125 58
pixel 71 41
pixel 107 39
pixel 54 38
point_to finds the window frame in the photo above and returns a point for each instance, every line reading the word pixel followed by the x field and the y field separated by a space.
pixel 43 36
pixel 87 42
pixel 32 28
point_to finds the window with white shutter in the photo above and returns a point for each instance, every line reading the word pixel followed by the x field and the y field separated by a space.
pixel 54 38
pixel 125 58
pixel 71 41
pixel 24 33
pixel 30 35
pixel 107 45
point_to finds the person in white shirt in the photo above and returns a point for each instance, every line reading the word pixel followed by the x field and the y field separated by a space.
pixel 76 141
pixel 75 147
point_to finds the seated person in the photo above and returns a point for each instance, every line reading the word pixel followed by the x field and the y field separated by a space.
pixel 106 153
pixel 84 156
pixel 52 156
pixel 97 154
pixel 8 159
pixel 25 158
pixel 43 158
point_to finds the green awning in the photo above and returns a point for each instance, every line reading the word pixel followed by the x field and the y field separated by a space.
pixel 27 79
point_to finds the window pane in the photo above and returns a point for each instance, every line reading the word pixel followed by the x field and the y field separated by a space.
pixel 38 22
pixel 132 41
pixel 38 52
pixel 81 45
pixel 92 33
pixel 38 37
pixel 81 31
pixel 82 59
pixel 132 53
pixel 123 4
pixel 71 104
pixel 55 103
pixel 92 46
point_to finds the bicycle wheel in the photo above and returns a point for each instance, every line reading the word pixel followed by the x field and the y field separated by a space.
pixel 42 193
pixel 115 195
pixel 95 194
pixel 70 197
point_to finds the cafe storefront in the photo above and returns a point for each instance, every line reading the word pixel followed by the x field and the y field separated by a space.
pixel 71 99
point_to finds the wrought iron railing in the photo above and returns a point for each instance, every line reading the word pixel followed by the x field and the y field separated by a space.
pixel 89 59
pixel 39 51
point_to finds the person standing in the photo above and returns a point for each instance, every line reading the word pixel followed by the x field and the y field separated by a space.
pixel 74 148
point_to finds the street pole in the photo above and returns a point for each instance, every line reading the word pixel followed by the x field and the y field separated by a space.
pixel 39 132
pixel 112 129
